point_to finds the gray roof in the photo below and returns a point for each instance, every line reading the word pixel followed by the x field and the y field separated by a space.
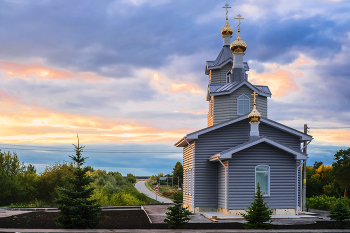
pixel 194 135
pixel 223 58
pixel 227 154
pixel 228 88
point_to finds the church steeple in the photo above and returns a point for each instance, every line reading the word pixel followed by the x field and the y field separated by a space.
pixel 226 31
pixel 238 47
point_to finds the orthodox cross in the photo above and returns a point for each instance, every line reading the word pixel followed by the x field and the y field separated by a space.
pixel 254 94
pixel 239 20
pixel 226 6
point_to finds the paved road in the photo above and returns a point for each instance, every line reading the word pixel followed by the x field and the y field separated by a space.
pixel 140 186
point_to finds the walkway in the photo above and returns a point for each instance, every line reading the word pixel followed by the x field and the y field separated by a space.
pixel 141 187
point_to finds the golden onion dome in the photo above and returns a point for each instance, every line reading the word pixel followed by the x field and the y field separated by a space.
pixel 226 30
pixel 254 116
pixel 238 45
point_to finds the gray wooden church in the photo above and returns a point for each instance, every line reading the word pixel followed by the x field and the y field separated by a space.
pixel 241 146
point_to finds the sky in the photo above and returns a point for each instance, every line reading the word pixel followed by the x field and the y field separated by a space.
pixel 128 75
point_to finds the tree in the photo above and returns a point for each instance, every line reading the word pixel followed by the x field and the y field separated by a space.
pixel 12 189
pixel 339 212
pixel 317 164
pixel 341 168
pixel 178 171
pixel 130 178
pixel 258 214
pixel 77 210
pixel 177 217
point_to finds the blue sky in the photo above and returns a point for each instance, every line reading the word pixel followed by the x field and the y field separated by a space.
pixel 129 74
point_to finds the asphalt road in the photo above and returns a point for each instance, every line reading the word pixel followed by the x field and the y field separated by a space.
pixel 140 186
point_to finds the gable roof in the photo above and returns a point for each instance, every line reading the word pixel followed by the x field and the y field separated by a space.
pixel 228 88
pixel 194 135
pixel 225 56
pixel 227 154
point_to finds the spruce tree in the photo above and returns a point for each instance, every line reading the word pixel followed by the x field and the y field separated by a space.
pixel 340 212
pixel 178 216
pixel 258 214
pixel 77 211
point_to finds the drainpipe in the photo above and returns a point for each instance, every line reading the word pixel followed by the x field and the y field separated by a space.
pixel 192 193
pixel 225 185
pixel 297 191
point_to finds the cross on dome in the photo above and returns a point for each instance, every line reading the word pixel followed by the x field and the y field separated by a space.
pixel 226 6
pixel 254 94
pixel 239 20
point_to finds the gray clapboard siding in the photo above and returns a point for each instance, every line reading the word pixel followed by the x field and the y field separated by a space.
pixel 187 164
pixel 225 106
pixel 207 145
pixel 242 177
pixel 280 136
pixel 219 75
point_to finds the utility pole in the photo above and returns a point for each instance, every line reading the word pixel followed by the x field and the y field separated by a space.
pixel 178 182
pixel 304 172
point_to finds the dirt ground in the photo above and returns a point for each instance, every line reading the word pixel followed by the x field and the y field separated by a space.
pixel 132 219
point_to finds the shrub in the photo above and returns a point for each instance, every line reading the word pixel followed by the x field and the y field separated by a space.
pixel 178 216
pixel 323 202
pixel 258 214
pixel 178 195
pixel 340 212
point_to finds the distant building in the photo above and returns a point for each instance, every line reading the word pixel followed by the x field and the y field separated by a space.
pixel 241 147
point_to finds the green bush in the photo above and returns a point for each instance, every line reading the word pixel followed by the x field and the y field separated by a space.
pixel 178 195
pixel 340 212
pixel 324 202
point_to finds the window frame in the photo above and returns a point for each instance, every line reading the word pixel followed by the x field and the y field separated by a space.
pixel 268 178
pixel 238 100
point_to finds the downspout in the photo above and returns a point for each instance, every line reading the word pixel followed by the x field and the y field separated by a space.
pixel 297 191
pixel 225 185
pixel 192 183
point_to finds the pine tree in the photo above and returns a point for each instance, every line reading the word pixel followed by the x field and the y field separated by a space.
pixel 178 216
pixel 258 214
pixel 77 210
pixel 340 212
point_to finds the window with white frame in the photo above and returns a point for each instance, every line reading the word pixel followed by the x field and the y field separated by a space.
pixel 243 104
pixel 262 176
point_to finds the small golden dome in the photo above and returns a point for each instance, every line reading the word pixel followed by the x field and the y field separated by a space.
pixel 226 30
pixel 254 116
pixel 238 45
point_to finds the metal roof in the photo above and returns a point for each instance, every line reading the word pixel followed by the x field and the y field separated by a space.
pixel 227 154
pixel 228 88
pixel 194 135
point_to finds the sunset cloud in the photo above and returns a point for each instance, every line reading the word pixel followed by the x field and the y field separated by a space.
pixel 280 83
pixel 38 70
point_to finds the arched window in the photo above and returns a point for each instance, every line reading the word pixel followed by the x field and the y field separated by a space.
pixel 262 176
pixel 243 105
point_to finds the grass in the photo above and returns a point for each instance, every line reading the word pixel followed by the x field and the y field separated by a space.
pixel 164 190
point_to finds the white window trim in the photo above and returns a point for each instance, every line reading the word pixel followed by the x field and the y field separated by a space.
pixel 268 178
pixel 243 100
